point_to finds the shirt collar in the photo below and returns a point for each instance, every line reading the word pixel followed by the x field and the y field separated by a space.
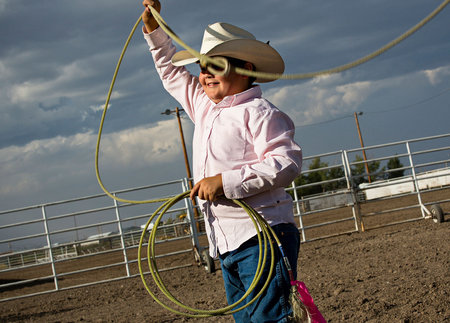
pixel 236 99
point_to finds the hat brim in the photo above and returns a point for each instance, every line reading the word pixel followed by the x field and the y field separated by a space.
pixel 264 57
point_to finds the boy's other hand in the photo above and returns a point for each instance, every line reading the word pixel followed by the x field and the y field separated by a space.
pixel 209 188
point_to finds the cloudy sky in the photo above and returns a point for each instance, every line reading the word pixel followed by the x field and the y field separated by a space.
pixel 57 58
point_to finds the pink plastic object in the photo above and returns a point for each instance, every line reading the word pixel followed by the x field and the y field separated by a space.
pixel 307 300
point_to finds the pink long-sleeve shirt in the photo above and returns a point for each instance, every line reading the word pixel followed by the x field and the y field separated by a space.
pixel 246 139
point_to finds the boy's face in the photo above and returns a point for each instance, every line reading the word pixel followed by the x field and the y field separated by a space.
pixel 218 87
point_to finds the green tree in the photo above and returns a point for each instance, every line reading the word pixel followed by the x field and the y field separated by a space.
pixel 317 174
pixel 300 181
pixel 359 170
pixel 335 173
pixel 394 163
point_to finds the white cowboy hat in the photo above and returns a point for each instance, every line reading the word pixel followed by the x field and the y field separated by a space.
pixel 222 39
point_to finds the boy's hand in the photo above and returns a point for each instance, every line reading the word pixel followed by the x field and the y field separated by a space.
pixel 209 188
pixel 147 17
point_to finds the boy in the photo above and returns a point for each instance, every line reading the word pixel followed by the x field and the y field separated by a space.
pixel 243 148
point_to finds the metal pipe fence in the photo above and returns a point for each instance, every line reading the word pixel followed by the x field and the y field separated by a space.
pixel 94 239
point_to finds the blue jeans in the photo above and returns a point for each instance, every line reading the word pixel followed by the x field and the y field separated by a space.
pixel 239 267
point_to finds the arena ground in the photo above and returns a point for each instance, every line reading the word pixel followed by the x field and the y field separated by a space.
pixel 398 273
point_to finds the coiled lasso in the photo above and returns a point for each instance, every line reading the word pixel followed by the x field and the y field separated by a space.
pixel 266 234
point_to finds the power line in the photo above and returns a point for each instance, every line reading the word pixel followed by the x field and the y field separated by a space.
pixel 382 111
pixel 323 122
pixel 413 104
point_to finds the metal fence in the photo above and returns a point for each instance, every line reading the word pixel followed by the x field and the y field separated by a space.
pixel 94 239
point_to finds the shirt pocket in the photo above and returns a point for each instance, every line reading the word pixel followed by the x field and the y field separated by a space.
pixel 228 144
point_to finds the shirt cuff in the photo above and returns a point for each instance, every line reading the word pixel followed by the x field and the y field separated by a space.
pixel 232 187
pixel 156 38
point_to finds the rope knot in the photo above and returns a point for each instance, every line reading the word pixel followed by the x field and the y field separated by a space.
pixel 203 60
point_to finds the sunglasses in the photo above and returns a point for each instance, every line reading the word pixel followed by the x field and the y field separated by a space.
pixel 219 69
pixel 204 69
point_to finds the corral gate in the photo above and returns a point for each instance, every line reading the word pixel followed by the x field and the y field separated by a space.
pixel 69 244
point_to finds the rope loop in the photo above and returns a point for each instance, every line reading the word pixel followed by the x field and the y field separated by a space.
pixel 265 236
pixel 224 66
pixel 204 60
pixel 218 65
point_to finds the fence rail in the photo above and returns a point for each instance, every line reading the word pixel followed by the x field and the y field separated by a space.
pixel 94 239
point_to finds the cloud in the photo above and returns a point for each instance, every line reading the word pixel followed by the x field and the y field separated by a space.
pixel 2 5
pixel 353 94
pixel 45 90
pixel 437 75
pixel 326 97
pixel 56 98
pixel 141 146
pixel 4 71
pixel 320 98
pixel 50 162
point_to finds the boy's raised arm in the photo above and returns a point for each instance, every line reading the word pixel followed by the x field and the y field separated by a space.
pixel 149 21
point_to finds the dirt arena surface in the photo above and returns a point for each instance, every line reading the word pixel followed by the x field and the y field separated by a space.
pixel 397 273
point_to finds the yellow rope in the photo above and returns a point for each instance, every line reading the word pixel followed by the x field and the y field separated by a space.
pixel 206 59
pixel 259 222
pixel 97 149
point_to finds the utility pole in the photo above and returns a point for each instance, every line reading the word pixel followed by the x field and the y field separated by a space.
pixel 186 159
pixel 362 145
pixel 183 143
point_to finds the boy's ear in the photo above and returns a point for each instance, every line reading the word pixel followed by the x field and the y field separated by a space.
pixel 249 66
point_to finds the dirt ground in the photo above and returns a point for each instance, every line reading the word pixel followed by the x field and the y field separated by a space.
pixel 398 273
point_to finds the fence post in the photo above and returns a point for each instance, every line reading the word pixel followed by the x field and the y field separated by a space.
pixel 299 211
pixel 50 250
pixel 423 209
pixel 356 207
pixel 192 222
pixel 122 239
